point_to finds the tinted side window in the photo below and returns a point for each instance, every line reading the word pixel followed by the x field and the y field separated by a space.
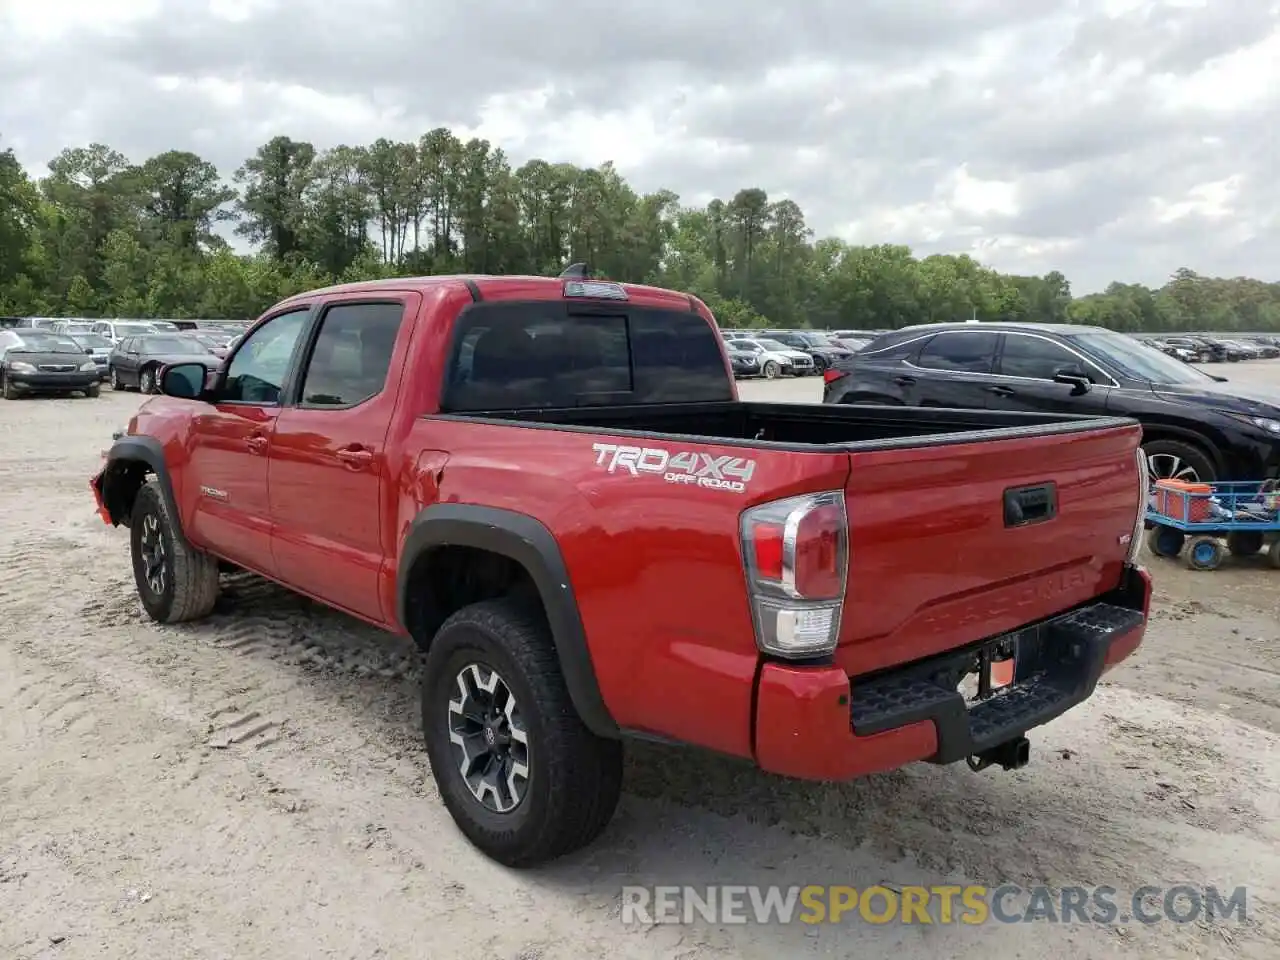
pixel 1034 357
pixel 526 355
pixel 959 350
pixel 257 371
pixel 352 354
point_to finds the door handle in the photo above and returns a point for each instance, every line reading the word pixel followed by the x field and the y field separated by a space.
pixel 356 457
pixel 257 443
pixel 904 381
pixel 1001 391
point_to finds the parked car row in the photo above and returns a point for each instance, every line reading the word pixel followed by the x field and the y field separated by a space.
pixel 37 360
pixel 1197 427
pixel 789 353
pixel 1206 349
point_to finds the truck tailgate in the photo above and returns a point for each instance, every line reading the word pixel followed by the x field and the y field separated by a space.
pixel 938 558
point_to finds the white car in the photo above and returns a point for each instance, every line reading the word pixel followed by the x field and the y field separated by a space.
pixel 776 358
pixel 117 330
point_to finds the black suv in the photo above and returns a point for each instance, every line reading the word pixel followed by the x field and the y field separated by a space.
pixel 1195 425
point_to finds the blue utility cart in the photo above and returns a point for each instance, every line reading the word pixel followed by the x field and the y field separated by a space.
pixel 1203 524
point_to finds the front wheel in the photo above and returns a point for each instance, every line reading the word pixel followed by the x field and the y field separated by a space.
pixel 1204 553
pixel 519 772
pixel 176 583
pixel 116 382
pixel 8 390
pixel 93 391
pixel 1178 460
pixel 771 370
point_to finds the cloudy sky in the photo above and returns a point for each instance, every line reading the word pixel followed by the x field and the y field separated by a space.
pixel 1111 139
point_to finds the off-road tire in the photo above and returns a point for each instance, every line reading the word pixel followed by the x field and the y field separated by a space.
pixel 771 370
pixel 94 391
pixel 147 380
pixel 575 777
pixel 190 585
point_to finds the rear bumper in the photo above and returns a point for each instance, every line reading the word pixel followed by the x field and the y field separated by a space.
pixel 817 724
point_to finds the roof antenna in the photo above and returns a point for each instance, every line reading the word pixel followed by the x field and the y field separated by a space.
pixel 576 271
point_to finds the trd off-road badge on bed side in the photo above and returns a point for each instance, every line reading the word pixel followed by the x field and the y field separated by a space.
pixel 700 469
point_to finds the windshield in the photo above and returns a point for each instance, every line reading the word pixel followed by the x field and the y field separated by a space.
pixel 172 345
pixel 48 343
pixel 1139 361
pixel 773 345
pixel 92 340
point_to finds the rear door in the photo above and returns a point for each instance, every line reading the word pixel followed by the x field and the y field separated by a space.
pixel 328 467
pixel 951 369
pixel 1025 369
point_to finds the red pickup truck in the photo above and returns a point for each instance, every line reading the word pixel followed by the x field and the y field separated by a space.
pixel 551 485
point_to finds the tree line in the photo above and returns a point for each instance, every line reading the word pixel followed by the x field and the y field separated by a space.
pixel 104 235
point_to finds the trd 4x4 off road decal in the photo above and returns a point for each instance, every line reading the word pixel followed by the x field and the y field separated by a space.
pixel 699 469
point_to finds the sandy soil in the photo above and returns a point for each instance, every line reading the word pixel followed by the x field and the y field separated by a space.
pixel 254 785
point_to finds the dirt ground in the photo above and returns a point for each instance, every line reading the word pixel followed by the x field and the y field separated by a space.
pixel 254 786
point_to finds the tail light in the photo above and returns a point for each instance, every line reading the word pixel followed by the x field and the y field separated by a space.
pixel 796 553
pixel 831 375
pixel 1144 500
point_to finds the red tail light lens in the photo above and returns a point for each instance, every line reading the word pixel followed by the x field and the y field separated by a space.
pixel 831 375
pixel 818 571
pixel 797 559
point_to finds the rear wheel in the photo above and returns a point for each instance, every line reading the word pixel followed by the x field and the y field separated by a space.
pixel 1165 542
pixel 1244 543
pixel 521 775
pixel 819 363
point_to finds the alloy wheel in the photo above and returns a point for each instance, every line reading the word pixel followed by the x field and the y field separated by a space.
pixel 1168 466
pixel 153 554
pixel 489 738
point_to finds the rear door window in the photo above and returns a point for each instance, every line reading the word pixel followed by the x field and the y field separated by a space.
pixel 519 356
pixel 960 351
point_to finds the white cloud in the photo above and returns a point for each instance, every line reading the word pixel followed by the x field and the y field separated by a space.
pixel 1111 139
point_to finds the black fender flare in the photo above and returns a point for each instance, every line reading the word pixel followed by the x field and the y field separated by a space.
pixel 145 450
pixel 526 541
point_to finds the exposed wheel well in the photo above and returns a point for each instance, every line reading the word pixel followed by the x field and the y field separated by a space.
pixel 447 578
pixel 120 486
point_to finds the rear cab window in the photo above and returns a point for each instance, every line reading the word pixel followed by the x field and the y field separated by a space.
pixel 533 354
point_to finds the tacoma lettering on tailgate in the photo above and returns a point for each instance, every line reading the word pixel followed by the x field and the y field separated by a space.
pixel 699 469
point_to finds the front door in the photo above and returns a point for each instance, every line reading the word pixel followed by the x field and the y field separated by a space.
pixel 329 469
pixel 231 442
pixel 1024 378
pixel 954 371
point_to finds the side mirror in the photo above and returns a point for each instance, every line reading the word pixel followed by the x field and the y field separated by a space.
pixel 1075 378
pixel 89 351
pixel 184 380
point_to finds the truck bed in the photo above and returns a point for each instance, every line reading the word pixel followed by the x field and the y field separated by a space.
pixel 802 426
